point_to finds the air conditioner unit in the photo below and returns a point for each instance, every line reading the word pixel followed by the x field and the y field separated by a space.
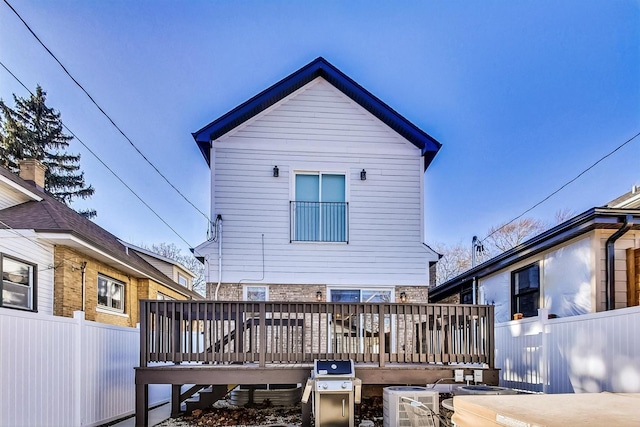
pixel 394 413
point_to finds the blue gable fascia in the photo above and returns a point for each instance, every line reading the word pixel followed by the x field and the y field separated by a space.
pixel 318 68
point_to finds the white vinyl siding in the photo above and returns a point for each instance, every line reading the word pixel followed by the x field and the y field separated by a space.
pixel 24 245
pixel 318 129
pixel 10 196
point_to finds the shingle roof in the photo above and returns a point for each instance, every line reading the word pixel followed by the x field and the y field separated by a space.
pixel 320 67
pixel 52 216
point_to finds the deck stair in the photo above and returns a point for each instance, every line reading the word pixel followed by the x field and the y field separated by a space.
pixel 203 396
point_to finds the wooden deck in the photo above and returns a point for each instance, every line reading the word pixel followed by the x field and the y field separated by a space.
pixel 232 342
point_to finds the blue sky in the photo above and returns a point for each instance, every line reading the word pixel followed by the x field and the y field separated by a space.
pixel 523 95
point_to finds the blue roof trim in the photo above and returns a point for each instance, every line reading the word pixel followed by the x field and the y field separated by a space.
pixel 318 68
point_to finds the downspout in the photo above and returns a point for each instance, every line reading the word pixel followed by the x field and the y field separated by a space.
pixel 474 296
pixel 611 259
pixel 84 283
pixel 218 225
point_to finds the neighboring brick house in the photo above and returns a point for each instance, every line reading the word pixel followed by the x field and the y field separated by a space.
pixel 55 261
pixel 317 194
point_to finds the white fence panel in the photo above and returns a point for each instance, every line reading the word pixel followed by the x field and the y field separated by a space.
pixel 588 353
pixel 57 371
pixel 37 369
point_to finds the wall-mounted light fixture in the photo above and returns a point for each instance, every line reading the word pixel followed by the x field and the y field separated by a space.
pixel 276 172
pixel 403 296
pixel 363 175
pixel 319 296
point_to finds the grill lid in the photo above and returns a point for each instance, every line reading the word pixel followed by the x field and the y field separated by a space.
pixel 333 367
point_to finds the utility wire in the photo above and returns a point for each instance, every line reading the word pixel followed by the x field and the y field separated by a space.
pixel 104 113
pixel 564 185
pixel 104 164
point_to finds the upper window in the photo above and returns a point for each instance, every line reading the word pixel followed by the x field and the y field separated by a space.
pixel 319 212
pixel 18 287
pixel 525 290
pixel 183 280
pixel 110 294
pixel 256 293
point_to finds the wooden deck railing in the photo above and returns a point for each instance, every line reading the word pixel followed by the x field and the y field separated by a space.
pixel 288 332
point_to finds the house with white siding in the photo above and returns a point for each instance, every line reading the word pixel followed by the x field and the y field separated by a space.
pixel 588 264
pixel 316 195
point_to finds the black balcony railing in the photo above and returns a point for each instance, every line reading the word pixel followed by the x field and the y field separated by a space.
pixel 319 222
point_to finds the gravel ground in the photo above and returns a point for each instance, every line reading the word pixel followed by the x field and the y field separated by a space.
pixel 224 414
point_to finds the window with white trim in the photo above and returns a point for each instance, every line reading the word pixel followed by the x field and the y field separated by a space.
pixel 362 332
pixel 164 297
pixel 182 280
pixel 18 286
pixel 255 293
pixel 319 211
pixel 110 294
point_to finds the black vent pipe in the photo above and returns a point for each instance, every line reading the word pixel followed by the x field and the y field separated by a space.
pixel 611 260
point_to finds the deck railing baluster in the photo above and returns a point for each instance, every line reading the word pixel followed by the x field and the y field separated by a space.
pixel 286 332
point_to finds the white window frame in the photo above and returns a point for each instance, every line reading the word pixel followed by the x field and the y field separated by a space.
pixel 164 297
pixel 111 282
pixel 246 290
pixel 30 287
pixel 390 322
pixel 184 278
pixel 319 172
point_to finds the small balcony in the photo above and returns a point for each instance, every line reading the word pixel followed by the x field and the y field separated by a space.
pixel 319 221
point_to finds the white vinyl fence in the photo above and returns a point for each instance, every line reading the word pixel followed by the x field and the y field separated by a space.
pixel 578 354
pixel 57 371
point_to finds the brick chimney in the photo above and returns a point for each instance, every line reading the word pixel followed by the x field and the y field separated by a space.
pixel 32 170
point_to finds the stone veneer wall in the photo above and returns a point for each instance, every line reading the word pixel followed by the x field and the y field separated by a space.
pixel 303 293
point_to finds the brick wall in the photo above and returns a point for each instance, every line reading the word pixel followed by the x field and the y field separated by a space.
pixel 302 293
pixel 67 293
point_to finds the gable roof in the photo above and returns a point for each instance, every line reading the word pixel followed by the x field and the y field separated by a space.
pixel 53 218
pixel 156 256
pixel 627 200
pixel 595 218
pixel 320 67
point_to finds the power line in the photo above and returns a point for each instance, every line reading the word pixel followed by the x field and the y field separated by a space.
pixel 564 185
pixel 104 113
pixel 103 163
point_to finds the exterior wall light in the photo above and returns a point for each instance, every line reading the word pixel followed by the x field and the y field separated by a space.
pixel 319 296
pixel 363 175
pixel 403 296
pixel 276 172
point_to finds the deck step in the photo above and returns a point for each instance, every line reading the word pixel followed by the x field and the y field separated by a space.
pixel 205 398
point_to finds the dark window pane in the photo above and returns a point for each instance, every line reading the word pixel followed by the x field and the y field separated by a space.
pixel 103 298
pixel 345 295
pixel 528 304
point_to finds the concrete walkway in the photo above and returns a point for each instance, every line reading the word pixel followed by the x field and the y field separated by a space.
pixel 156 416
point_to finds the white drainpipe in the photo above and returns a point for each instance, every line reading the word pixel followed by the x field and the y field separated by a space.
pixel 218 225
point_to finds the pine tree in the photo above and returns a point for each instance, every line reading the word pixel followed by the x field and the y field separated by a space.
pixel 33 130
